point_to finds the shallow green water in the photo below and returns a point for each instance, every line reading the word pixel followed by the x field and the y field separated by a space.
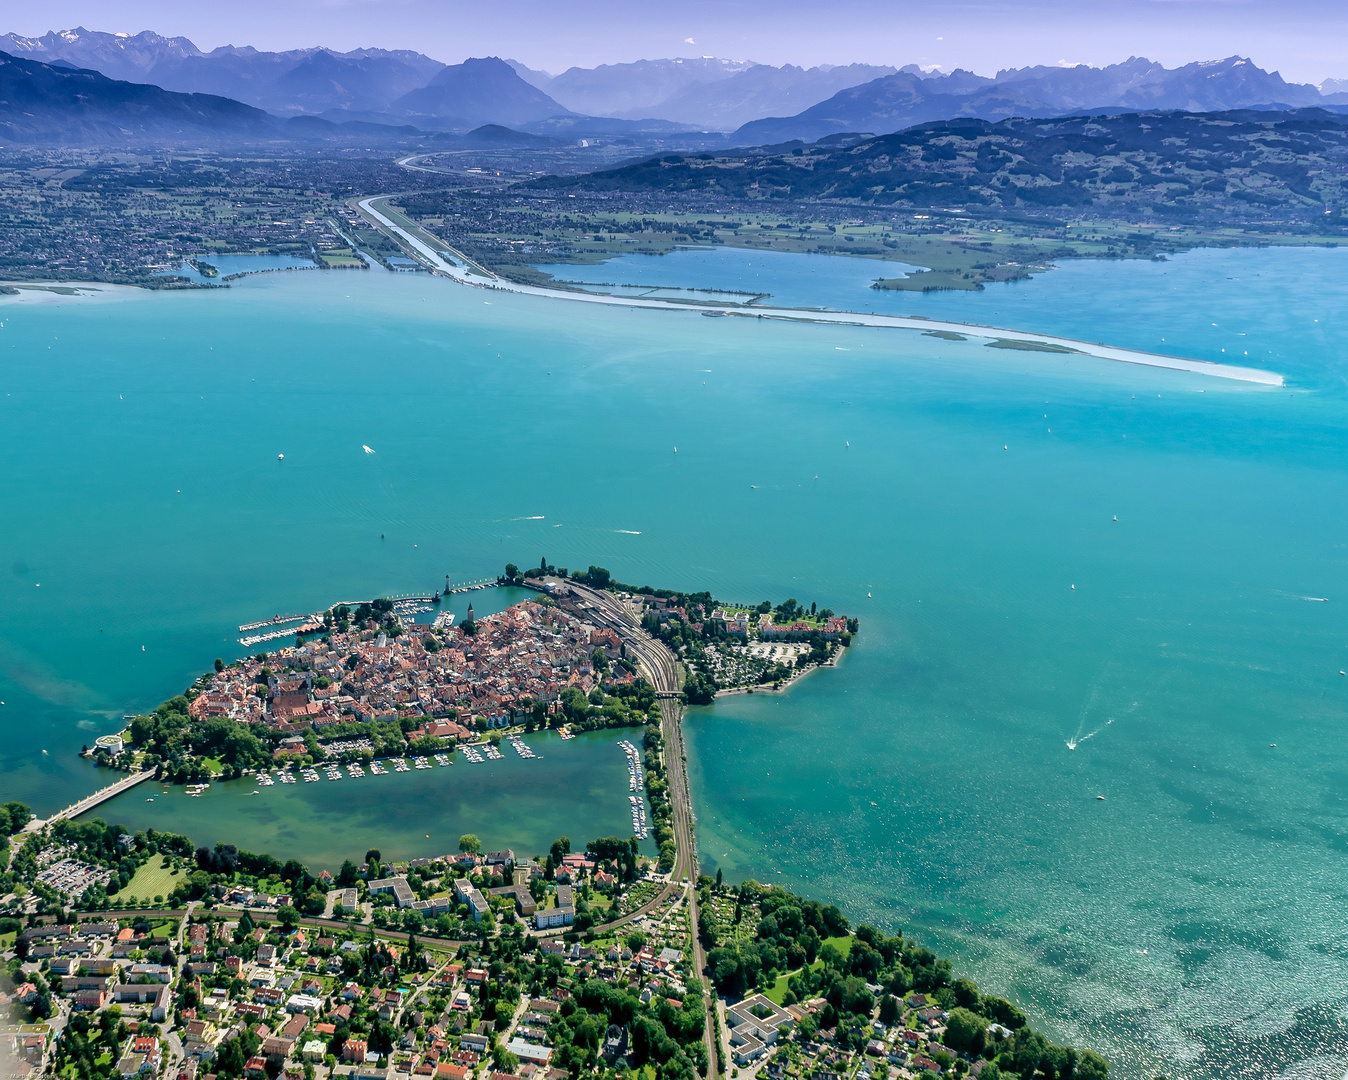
pixel 576 788
pixel 1190 923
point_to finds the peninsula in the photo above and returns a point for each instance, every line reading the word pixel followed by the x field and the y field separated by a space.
pixel 472 964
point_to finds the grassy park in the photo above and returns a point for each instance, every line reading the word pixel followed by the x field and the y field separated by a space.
pixel 152 878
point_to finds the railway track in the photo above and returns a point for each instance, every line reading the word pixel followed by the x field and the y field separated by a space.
pixel 662 671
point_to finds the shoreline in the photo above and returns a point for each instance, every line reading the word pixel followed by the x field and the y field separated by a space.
pixel 735 691
pixel 60 291
pixel 1097 350
pixel 55 292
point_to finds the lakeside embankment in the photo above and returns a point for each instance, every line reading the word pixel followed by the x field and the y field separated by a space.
pixel 781 688
pixel 471 273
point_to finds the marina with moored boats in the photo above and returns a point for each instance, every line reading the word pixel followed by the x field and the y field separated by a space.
pixel 474 753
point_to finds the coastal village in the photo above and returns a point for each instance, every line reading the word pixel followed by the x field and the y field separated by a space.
pixel 387 686
pixel 238 985
pixel 484 674
pixel 141 955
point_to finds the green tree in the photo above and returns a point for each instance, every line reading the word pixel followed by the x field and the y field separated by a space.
pixel 219 664
pixel 699 688
pixel 469 844
pixel 1091 1066
pixel 966 993
pixel 560 847
pixel 288 917
pixel 966 1031
pixel 19 815
pixel 373 856
pixel 511 571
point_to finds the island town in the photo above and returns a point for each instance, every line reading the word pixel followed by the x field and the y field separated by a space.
pixel 141 954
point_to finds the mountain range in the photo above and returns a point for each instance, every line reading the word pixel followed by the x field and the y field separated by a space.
pixel 707 93
pixel 1250 164
pixel 670 100
pixel 310 81
pixel 46 104
pixel 907 97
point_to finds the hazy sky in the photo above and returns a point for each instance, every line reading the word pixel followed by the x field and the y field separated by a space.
pixel 1304 39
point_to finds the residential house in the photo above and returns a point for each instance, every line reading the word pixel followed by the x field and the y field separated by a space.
pixel 530 1052
pixel 142 1056
pixel 754 1025
pixel 402 892
pixel 157 995
pixel 91 1000
pixel 304 1003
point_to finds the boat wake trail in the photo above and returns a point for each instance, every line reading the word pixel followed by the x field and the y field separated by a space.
pixel 1081 733
pixel 1077 739
pixel 1298 596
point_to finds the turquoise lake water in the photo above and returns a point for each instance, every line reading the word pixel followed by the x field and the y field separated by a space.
pixel 1188 923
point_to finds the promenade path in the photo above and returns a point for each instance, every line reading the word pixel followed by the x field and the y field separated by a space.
pixel 443 259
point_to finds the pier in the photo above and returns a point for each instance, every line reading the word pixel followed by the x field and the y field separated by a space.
pixel 315 621
pixel 273 635
pixel 86 804
pixel 469 586
pixel 275 620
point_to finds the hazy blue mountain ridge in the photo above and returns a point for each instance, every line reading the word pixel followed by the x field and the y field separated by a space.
pixel 299 81
pixel 118 56
pixel 761 90
pixel 906 98
pixel 661 98
pixel 1241 165
pixel 476 92
pixel 46 104
pixel 632 91
pixel 74 106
